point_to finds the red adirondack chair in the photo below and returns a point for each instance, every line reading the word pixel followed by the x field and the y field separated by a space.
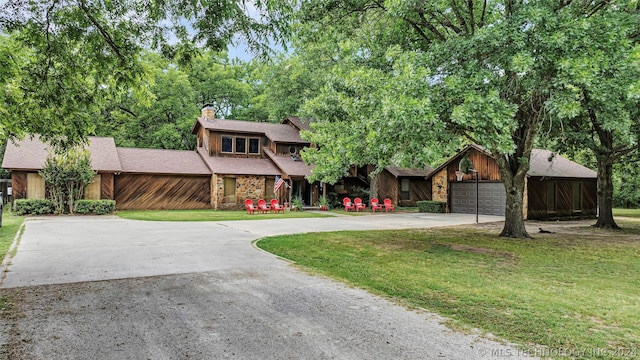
pixel 348 204
pixel 375 205
pixel 263 206
pixel 359 204
pixel 249 205
pixel 276 207
pixel 388 206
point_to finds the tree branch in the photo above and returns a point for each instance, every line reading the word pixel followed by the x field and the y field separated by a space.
pixel 105 34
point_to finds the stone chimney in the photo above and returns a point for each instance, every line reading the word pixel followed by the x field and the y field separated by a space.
pixel 208 112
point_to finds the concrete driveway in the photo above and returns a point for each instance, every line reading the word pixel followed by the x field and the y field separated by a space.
pixel 202 291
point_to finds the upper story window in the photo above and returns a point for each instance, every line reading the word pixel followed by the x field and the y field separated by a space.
pixel 254 146
pixel 227 144
pixel 241 145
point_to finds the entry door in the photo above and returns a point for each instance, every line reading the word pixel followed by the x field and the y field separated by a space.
pixel 492 198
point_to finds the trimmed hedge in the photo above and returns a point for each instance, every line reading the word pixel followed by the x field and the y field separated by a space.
pixel 98 207
pixel 431 206
pixel 33 206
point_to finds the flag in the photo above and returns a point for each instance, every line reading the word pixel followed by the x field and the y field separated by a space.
pixel 277 184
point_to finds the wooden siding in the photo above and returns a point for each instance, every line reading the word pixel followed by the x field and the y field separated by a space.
pixel 419 190
pixel 141 191
pixel 106 186
pixel 537 198
pixel 487 167
pixel 35 186
pixel 283 149
pixel 92 191
pixel 388 187
pixel 19 184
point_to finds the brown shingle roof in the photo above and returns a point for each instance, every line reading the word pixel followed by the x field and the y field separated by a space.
pixel 239 166
pixel 158 161
pixel 547 164
pixel 31 154
pixel 407 172
pixel 288 165
pixel 297 122
pixel 275 132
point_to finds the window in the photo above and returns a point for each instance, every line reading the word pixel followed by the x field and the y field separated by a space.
pixel 241 145
pixel 577 196
pixel 405 189
pixel 254 146
pixel 551 197
pixel 227 144
pixel 229 190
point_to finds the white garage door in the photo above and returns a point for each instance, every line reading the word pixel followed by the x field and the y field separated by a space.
pixel 491 198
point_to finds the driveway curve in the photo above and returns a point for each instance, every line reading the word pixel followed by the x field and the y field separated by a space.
pixel 108 288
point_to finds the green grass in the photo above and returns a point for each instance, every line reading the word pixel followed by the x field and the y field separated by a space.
pixel 559 291
pixel 210 215
pixel 627 212
pixel 10 226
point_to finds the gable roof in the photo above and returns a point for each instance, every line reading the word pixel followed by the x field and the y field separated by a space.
pixel 238 166
pixel 31 154
pixel 544 163
pixel 160 161
pixel 398 171
pixel 288 165
pixel 295 121
pixel 282 133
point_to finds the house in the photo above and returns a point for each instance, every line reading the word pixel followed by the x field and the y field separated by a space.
pixel 404 186
pixel 555 186
pixel 234 161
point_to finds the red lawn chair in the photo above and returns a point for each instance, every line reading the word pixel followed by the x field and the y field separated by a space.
pixel 375 205
pixel 249 205
pixel 359 204
pixel 388 206
pixel 348 204
pixel 262 205
pixel 276 207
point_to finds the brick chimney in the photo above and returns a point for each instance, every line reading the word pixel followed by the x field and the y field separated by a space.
pixel 208 112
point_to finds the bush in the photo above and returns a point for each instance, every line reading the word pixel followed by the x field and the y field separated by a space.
pixel 431 206
pixel 33 206
pixel 98 207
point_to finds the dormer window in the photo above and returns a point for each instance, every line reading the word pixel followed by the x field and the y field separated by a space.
pixel 227 144
pixel 241 145
pixel 254 146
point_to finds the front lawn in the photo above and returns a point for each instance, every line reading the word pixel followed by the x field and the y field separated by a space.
pixel 627 212
pixel 576 289
pixel 10 226
pixel 211 215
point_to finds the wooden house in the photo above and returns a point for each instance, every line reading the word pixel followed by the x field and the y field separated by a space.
pixel 404 186
pixel 556 187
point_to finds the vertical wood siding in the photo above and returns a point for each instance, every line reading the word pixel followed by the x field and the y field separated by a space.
pixel 487 167
pixel 19 184
pixel 153 192
pixel 93 190
pixel 537 196
pixel 35 186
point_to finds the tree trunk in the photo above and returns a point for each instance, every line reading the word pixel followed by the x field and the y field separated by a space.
pixel 605 193
pixel 373 186
pixel 513 215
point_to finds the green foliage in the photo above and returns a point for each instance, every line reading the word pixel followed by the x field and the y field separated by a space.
pixel 33 206
pixel 98 207
pixel 431 206
pixel 66 176
pixel 297 203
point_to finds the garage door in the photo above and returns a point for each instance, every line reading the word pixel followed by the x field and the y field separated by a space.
pixel 491 198
pixel 151 192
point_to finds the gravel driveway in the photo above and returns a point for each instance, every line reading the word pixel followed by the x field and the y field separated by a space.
pixel 107 288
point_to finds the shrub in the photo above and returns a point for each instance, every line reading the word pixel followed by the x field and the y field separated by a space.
pixel 33 206
pixel 431 206
pixel 98 207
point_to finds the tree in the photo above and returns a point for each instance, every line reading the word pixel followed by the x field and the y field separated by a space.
pixel 597 95
pixel 68 57
pixel 490 68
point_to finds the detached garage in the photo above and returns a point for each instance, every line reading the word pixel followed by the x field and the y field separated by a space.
pixel 154 179
pixel 556 187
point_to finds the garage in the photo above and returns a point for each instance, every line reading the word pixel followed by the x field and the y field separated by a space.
pixel 155 192
pixel 491 198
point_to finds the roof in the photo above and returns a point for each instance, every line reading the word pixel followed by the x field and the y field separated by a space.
pixel 159 161
pixel 301 125
pixel 239 166
pixel 31 154
pixel 407 172
pixel 540 164
pixel 545 163
pixel 282 133
pixel 288 165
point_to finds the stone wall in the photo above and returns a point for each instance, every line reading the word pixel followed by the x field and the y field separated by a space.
pixel 440 187
pixel 247 187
